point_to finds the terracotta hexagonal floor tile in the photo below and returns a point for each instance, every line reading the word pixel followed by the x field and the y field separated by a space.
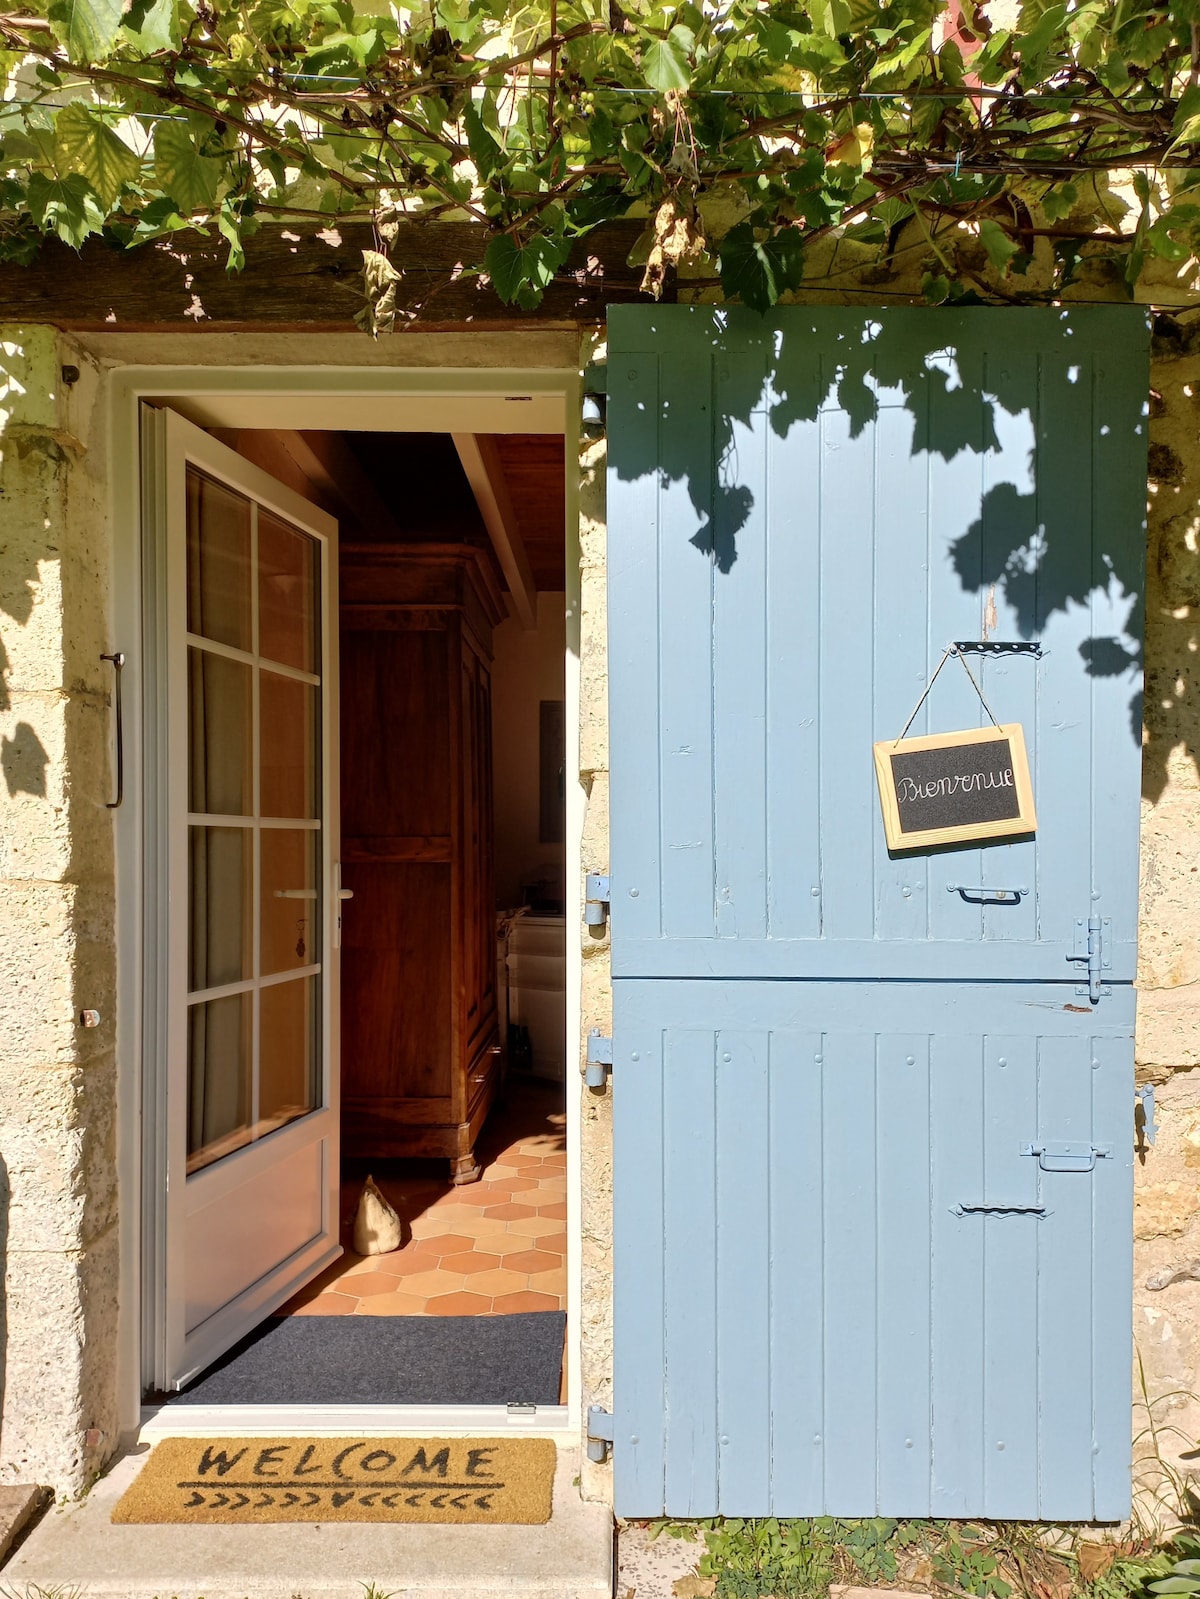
pixel 470 1262
pixel 427 1283
pixel 484 1194
pixel 460 1304
pixel 509 1213
pixel 510 1304
pixel 452 1243
pixel 554 1163
pixel 528 1226
pixel 518 1185
pixel 529 1261
pixel 411 1260
pixel 498 1282
pixel 376 1282
pixel 487 1227
pixel 327 1304
pixel 393 1305
pixel 556 1212
pixel 552 1243
pixel 549 1282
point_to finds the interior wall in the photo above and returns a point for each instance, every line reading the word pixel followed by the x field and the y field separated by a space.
pixel 527 669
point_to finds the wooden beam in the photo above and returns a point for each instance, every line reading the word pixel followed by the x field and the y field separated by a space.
pixel 306 276
pixel 481 463
pixel 329 463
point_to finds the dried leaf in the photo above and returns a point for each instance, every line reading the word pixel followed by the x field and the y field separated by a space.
pixel 693 1587
pixel 677 237
pixel 1095 1559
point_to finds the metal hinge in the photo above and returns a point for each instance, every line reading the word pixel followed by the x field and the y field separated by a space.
pixel 1065 1154
pixel 1090 952
pixel 599 1059
pixel 596 899
pixel 599 1433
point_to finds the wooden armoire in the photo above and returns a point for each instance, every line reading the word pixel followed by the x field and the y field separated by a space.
pixel 419 1042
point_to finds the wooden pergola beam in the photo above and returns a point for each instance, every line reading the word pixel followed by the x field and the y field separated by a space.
pixel 307 276
pixel 481 462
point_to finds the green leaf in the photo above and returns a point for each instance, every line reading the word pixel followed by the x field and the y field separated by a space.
pixel 182 172
pixel 485 151
pixel 1176 1585
pixel 86 28
pixel 1186 127
pixel 522 273
pixel 65 206
pixel 1041 36
pixel 152 25
pixel 88 146
pixel 665 62
pixel 757 271
pixel 1000 248
pixel 230 227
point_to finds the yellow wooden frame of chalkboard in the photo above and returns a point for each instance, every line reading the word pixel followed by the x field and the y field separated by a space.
pixel 1009 827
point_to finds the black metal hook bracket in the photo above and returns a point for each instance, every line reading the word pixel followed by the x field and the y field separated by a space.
pixel 997 646
pixel 118 661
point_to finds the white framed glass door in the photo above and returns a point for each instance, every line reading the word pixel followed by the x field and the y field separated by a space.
pixel 247 1158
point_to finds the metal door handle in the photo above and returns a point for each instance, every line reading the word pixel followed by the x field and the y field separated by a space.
pixel 987 896
pixel 118 661
pixel 295 893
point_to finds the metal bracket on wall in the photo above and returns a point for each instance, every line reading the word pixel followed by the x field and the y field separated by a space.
pixel 599 1059
pixel 599 1434
pixel 1143 1114
pixel 118 664
pixel 597 895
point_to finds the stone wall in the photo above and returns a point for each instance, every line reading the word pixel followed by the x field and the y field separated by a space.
pixel 1167 1174
pixel 58 1241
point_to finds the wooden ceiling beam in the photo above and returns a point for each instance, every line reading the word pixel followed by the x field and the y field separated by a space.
pixel 481 462
pixel 329 463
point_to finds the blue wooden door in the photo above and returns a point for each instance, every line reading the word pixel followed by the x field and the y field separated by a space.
pixel 873 1113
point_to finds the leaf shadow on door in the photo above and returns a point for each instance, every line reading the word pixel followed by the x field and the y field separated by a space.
pixel 794 368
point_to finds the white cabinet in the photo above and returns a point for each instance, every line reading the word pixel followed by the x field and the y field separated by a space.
pixel 537 989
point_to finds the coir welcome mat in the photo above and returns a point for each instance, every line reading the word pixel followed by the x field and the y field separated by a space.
pixel 239 1480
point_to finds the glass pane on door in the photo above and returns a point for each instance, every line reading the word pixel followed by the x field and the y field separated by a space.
pixel 255 884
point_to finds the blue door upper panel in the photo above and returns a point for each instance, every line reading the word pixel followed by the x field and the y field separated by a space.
pixel 803 512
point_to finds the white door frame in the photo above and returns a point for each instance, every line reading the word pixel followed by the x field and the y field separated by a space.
pixel 399 399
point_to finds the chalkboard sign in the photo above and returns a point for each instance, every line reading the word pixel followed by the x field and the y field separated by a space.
pixel 950 788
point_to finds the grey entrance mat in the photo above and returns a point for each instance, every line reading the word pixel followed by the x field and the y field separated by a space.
pixel 390 1360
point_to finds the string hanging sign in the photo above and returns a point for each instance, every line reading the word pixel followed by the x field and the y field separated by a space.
pixel 954 788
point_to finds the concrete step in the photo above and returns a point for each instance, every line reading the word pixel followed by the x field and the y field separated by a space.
pixel 76 1547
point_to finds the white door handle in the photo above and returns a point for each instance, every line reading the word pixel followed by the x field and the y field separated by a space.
pixel 340 895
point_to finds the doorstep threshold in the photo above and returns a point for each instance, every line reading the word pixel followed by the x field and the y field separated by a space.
pixel 78 1548
pixel 174 1420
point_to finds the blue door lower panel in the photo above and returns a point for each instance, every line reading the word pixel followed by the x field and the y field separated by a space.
pixel 852 1276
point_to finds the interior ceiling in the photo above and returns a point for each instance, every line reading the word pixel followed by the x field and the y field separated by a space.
pixel 421 480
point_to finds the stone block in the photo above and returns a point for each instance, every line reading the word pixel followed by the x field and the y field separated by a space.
pixel 20 1505
pixel 60 1325
pixel 58 1155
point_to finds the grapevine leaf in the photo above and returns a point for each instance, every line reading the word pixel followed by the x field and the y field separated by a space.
pixel 1000 248
pixel 189 178
pixel 86 28
pixel 757 271
pixel 665 61
pixel 83 144
pixel 64 206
